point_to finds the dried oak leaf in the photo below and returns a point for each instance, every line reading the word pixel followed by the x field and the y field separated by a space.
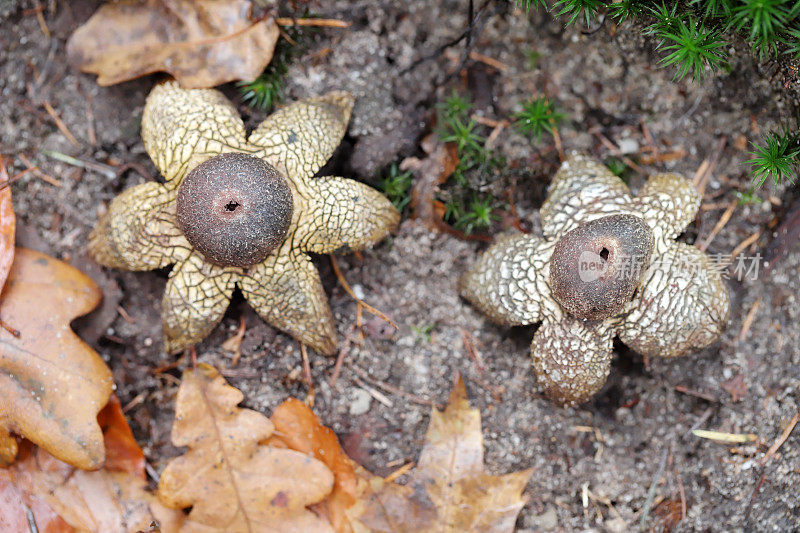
pixel 232 481
pixel 448 490
pixel 439 164
pixel 298 428
pixel 52 384
pixel 202 43
pixel 123 453
pixel 39 490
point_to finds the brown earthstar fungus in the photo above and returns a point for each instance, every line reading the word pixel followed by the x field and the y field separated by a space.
pixel 238 210
pixel 608 266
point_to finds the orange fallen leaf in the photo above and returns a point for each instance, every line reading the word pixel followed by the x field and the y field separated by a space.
pixel 448 490
pixel 52 384
pixel 232 482
pixel 39 492
pixel 123 454
pixel 298 428
pixel 202 43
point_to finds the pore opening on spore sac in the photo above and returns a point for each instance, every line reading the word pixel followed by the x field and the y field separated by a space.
pixel 234 209
pixel 594 285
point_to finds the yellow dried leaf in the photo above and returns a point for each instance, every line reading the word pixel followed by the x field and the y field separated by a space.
pixel 448 490
pixel 232 481
pixel 202 43
pixel 52 384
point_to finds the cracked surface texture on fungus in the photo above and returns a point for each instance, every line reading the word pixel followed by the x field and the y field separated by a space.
pixel 191 135
pixel 677 302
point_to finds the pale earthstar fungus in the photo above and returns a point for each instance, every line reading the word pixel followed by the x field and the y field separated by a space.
pixel 237 210
pixel 608 266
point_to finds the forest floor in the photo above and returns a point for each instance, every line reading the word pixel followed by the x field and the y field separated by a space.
pixel 594 465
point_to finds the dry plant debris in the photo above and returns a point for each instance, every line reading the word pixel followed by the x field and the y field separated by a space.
pixel 197 140
pixel 52 383
pixel 39 492
pixel 298 428
pixel 677 303
pixel 8 226
pixel 202 43
pixel 232 481
pixel 449 490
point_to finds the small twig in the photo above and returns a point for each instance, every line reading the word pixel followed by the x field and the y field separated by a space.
pixel 124 314
pixel 8 328
pixel 240 373
pixel 137 400
pixel 399 472
pixel 681 492
pixel 151 472
pixel 557 138
pixel 748 320
pixel 40 19
pixel 306 366
pixel 59 123
pixel 325 23
pixel 703 174
pixel 728 438
pixel 90 119
pixel 648 138
pixel 234 343
pixel 389 388
pixel 696 394
pixel 8 181
pixel 651 492
pixel 744 244
pixel 337 368
pixel 726 216
pixel 467 34
pixel 781 439
pixel 38 172
pixel 615 150
pixel 106 170
pixel 673 155
pixel 492 62
pixel 474 354
pixel 378 395
pixel 349 291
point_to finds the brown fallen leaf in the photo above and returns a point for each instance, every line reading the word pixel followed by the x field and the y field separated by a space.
pixel 440 162
pixel 23 511
pixel 298 428
pixel 736 387
pixel 448 490
pixel 8 226
pixel 202 43
pixel 234 483
pixel 51 383
pixel 41 493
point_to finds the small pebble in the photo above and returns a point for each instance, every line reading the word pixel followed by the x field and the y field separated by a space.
pixel 628 146
pixel 360 403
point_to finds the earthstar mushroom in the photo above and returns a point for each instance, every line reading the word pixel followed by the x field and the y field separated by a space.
pixel 238 210
pixel 607 266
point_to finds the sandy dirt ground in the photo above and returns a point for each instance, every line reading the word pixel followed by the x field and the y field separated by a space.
pixel 594 465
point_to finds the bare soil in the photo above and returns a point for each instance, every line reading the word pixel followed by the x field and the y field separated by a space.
pixel 594 465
